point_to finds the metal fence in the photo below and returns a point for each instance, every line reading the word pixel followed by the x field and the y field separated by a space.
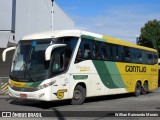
pixel 4 85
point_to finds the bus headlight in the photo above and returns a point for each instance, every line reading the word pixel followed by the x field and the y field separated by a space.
pixel 45 85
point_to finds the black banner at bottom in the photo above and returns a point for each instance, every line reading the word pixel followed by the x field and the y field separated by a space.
pixel 38 114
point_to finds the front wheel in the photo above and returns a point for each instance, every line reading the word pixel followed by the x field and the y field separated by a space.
pixel 79 95
pixel 137 89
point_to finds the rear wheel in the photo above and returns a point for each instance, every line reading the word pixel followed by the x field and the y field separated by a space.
pixel 145 88
pixel 137 89
pixel 79 95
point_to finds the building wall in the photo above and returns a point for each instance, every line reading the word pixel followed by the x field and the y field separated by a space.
pixel 35 16
pixel 7 21
pixel 6 15
pixel 22 17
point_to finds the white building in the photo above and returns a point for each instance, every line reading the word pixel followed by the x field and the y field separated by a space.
pixel 21 17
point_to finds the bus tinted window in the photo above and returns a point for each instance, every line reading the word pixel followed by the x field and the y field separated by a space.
pixel 110 52
pixel 140 60
pixel 87 50
pixel 104 51
pixel 155 58
pixel 117 53
pixel 95 50
pixel 127 54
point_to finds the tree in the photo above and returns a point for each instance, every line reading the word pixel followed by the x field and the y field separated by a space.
pixel 150 35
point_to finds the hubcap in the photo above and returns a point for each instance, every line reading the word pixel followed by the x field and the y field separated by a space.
pixel 77 95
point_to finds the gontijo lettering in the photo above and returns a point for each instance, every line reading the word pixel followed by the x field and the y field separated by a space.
pixel 129 68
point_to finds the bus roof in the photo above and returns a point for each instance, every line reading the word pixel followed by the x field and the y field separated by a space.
pixel 84 34
pixel 125 43
pixel 53 34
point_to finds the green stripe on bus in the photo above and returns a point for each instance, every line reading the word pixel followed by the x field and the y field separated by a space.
pixel 115 74
pixel 108 77
pixel 34 84
pixel 28 84
pixel 92 38
pixel 104 74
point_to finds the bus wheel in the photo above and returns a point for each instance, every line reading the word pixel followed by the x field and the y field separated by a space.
pixel 145 88
pixel 79 95
pixel 137 89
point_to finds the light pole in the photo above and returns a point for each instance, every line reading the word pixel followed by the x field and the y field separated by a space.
pixel 52 13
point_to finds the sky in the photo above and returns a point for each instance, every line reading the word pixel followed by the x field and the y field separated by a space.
pixel 121 19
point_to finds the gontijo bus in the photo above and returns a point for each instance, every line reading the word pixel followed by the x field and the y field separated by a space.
pixel 75 64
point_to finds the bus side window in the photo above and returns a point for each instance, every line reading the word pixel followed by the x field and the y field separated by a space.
pixel 109 52
pixel 123 54
pixel 139 57
pixel 127 54
pixel 96 49
pixel 120 53
pixel 80 54
pixel 87 50
pixel 150 58
pixel 116 53
pixel 66 57
pixel 144 57
pixel 134 55
pixel 57 64
pixel 103 49
pixel 155 58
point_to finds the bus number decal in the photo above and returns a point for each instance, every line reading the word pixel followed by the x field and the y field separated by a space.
pixel 60 93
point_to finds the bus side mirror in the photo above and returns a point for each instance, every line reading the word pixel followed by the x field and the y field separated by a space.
pixel 5 51
pixel 49 50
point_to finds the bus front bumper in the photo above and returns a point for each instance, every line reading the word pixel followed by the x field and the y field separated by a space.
pixel 41 95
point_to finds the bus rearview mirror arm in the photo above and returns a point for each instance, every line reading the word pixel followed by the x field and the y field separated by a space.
pixel 49 50
pixel 5 51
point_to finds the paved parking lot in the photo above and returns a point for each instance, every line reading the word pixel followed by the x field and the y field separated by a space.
pixel 108 104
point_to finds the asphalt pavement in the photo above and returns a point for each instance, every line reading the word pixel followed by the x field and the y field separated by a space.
pixel 94 108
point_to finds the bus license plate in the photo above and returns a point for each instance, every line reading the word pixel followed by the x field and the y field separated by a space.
pixel 23 95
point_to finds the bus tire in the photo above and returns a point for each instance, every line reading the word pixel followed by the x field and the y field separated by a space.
pixel 138 89
pixel 145 88
pixel 79 95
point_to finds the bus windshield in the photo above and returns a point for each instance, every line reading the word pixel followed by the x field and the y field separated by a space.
pixel 29 62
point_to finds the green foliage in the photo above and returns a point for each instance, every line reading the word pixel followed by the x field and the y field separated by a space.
pixel 150 35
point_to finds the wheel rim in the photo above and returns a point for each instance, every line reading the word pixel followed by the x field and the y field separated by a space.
pixel 77 95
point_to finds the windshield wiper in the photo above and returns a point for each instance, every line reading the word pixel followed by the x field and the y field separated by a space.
pixel 26 67
pixel 27 71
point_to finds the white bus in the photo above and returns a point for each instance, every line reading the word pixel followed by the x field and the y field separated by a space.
pixel 75 64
